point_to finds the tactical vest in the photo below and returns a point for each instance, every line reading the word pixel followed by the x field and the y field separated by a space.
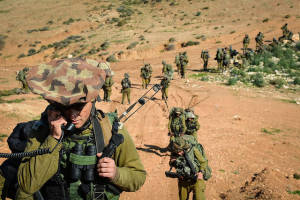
pixel 177 125
pixel 125 83
pixel 77 177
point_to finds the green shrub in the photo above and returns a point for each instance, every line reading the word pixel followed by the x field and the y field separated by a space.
pixel 122 22
pixel 297 81
pixel 132 45
pixel 205 8
pixel 297 46
pixel 125 11
pixel 142 38
pixel 169 47
pixel 111 58
pixel 2 41
pixel 265 20
pixel 232 81
pixel 278 83
pixel 31 52
pixel 189 43
pixel 70 21
pixel 198 13
pixel 204 78
pixel 296 176
pixel 104 46
pixel 237 72
pixel 22 55
pixel 171 40
pixel 258 80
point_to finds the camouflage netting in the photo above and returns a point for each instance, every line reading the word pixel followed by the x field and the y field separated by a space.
pixel 66 81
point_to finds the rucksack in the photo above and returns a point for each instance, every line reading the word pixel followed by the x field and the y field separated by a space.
pixel 207 171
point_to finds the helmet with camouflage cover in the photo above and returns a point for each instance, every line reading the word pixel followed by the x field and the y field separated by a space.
pixel 25 69
pixel 190 115
pixel 66 81
pixel 126 75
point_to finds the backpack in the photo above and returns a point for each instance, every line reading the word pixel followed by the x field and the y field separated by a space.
pixel 207 171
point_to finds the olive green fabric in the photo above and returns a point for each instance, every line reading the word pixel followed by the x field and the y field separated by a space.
pixel 36 171
pixel 107 88
pixel 146 73
pixel 165 83
pixel 21 76
pixel 177 125
pixel 192 126
pixel 2 181
pixel 185 188
pixel 126 93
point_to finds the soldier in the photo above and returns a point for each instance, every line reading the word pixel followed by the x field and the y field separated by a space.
pixel 72 129
pixel 165 83
pixel 219 59
pixel 286 34
pixel 205 56
pixel 167 70
pixel 192 124
pixel 183 60
pixel 226 58
pixel 176 124
pixel 21 76
pixel 191 167
pixel 146 72
pixel 259 39
pixel 177 62
pixel 246 42
pixel 126 85
pixel 107 86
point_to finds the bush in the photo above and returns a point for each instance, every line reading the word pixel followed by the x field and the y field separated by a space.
pixel 297 81
pixel 278 83
pixel 169 47
pixel 111 58
pixel 204 78
pixel 298 46
pixel 31 52
pixel 122 22
pixel 189 43
pixel 2 41
pixel 104 45
pixel 22 55
pixel 125 11
pixel 198 13
pixel 258 80
pixel 132 45
pixel 237 72
pixel 171 40
pixel 265 20
pixel 232 81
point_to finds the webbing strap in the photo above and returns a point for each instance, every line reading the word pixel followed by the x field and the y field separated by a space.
pixel 83 160
pixel 97 130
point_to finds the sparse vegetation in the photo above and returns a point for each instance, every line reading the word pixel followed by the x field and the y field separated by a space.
pixel 171 40
pixel 70 21
pixel 45 28
pixel 297 192
pixel 198 13
pixel 104 46
pixel 2 41
pixel 296 176
pixel 265 20
pixel 169 47
pixel 132 45
pixel 189 43
pixel 270 131
pixel 2 136
pixel 111 58
pixel 287 16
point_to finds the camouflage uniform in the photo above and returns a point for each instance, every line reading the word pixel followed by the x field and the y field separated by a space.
pixel 177 62
pixel 183 60
pixel 219 59
pixel 21 76
pixel 146 72
pixel 126 85
pixel 167 70
pixel 259 39
pixel 205 56
pixel 66 84
pixel 176 126
pixel 226 58
pixel 165 83
pixel 107 87
pixel 192 124
pixel 187 144
pixel 246 42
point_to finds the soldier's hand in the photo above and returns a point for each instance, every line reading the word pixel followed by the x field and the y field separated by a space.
pixel 55 120
pixel 106 167
pixel 199 176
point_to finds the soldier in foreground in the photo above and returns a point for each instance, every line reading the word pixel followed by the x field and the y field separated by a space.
pixel 165 83
pixel 107 86
pixel 190 163
pixel 75 131
pixel 126 85
pixel 176 126
pixel 205 57
pixel 21 76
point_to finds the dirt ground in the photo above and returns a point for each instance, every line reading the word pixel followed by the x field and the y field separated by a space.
pixel 246 162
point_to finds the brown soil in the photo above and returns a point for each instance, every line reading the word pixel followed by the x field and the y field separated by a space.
pixel 246 162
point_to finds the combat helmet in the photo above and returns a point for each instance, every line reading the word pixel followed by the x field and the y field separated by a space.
pixel 190 115
pixel 126 75
pixel 66 81
pixel 25 69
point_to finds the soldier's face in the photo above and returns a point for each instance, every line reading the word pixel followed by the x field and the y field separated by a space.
pixel 78 115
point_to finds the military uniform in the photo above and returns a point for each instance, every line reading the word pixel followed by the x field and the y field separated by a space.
pixel 177 62
pixel 192 124
pixel 176 126
pixel 259 39
pixel 126 85
pixel 226 58
pixel 219 59
pixel 189 165
pixel 21 76
pixel 286 34
pixel 246 42
pixel 146 73
pixel 183 60
pixel 67 171
pixel 107 87
pixel 205 56
pixel 165 83
pixel 167 70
